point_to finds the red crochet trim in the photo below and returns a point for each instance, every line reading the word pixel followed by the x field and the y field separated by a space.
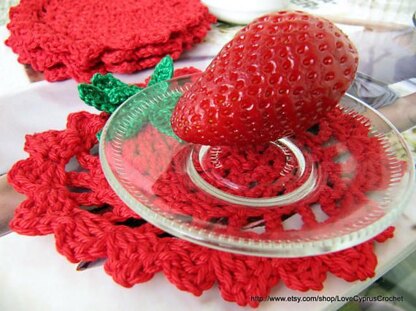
pixel 90 222
pixel 65 39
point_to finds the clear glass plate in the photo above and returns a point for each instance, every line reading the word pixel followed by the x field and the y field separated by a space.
pixel 338 185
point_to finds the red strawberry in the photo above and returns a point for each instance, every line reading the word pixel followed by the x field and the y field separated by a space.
pixel 278 76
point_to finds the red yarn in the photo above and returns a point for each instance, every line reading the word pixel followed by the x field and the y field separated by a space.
pixel 64 39
pixel 257 169
pixel 90 222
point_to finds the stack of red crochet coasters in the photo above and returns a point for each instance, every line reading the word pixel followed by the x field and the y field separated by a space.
pixel 65 38
pixel 90 222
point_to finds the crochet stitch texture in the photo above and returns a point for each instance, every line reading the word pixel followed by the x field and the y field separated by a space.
pixel 65 38
pixel 90 222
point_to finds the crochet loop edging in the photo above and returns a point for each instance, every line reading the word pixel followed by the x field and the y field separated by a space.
pixel 90 223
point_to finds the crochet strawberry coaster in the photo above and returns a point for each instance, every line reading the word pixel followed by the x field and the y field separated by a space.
pixel 68 196
pixel 65 38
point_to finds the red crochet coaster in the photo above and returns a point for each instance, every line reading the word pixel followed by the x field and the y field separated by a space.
pixel 90 222
pixel 64 39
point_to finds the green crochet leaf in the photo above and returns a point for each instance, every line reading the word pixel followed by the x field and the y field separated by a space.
pixel 94 97
pixel 163 71
pixel 159 114
pixel 120 94
pixel 134 124
pixel 106 82
pixel 107 93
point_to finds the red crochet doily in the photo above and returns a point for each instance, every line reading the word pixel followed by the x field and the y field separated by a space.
pixel 90 222
pixel 255 172
pixel 65 38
